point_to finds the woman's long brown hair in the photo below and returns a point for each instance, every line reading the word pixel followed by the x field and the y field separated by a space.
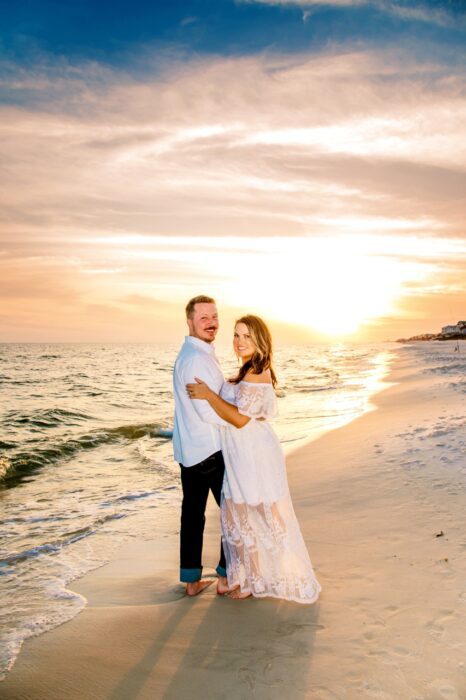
pixel 263 354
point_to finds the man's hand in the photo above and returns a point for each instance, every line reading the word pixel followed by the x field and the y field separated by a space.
pixel 199 390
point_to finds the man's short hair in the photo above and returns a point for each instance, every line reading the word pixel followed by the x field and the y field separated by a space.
pixel 201 299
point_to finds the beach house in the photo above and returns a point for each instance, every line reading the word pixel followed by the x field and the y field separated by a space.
pixel 459 329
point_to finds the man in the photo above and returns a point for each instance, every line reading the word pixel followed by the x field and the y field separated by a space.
pixel 196 441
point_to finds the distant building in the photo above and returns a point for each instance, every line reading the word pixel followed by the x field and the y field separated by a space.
pixel 459 329
pixel 450 330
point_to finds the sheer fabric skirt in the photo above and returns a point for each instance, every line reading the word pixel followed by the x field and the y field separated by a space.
pixel 265 552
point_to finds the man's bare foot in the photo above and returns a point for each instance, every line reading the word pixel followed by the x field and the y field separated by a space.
pixel 238 595
pixel 222 586
pixel 198 586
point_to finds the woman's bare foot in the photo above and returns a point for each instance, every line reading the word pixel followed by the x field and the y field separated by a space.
pixel 238 595
pixel 222 586
pixel 198 586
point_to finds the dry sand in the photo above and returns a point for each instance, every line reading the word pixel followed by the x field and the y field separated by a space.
pixel 391 622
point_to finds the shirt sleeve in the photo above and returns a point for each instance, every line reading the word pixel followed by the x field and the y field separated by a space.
pixel 256 400
pixel 196 367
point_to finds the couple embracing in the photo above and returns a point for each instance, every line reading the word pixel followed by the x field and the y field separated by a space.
pixel 224 443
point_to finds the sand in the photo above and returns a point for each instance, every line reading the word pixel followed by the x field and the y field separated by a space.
pixel 372 498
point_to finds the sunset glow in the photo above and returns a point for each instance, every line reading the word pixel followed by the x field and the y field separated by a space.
pixel 322 188
pixel 318 282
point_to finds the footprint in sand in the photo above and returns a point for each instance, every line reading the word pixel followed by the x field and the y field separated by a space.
pixel 392 608
pixel 369 636
pixel 401 651
pixel 438 433
pixel 248 677
pixel 376 653
pixel 446 691
pixel 379 624
pixel 374 690
pixel 287 628
pixel 271 678
pixel 436 627
pixel 435 630
pixel 411 463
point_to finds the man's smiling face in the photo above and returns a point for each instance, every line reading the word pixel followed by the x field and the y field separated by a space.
pixel 204 322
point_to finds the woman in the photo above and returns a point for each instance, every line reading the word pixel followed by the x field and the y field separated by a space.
pixel 264 548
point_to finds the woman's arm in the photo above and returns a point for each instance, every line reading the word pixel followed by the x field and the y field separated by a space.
pixel 225 410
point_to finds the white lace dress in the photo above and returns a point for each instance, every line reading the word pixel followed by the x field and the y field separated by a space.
pixel 264 548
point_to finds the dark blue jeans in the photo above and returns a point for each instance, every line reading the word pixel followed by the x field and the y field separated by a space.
pixel 197 481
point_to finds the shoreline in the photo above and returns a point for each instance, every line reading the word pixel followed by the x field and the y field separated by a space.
pixel 431 338
pixel 327 411
pixel 391 612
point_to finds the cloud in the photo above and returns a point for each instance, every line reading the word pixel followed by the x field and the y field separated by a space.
pixel 188 20
pixel 308 3
pixel 445 15
pixel 225 150
pixel 244 146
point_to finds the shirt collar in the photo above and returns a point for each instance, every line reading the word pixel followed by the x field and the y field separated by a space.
pixel 201 344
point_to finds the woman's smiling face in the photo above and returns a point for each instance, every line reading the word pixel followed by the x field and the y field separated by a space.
pixel 242 343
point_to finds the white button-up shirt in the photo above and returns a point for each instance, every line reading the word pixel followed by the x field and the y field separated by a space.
pixel 196 433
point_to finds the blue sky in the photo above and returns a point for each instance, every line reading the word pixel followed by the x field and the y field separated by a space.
pixel 114 31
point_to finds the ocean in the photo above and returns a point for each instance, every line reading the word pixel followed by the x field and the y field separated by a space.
pixel 86 457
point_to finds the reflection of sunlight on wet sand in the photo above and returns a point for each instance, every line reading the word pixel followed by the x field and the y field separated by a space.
pixel 375 382
pixel 340 409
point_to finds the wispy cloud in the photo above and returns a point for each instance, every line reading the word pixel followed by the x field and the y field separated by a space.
pixel 418 11
pixel 188 20
pixel 221 150
pixel 309 3
pixel 262 141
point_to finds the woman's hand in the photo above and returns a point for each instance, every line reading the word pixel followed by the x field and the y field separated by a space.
pixel 200 390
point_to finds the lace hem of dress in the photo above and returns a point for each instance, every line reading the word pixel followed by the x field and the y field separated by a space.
pixel 266 555
pixel 269 594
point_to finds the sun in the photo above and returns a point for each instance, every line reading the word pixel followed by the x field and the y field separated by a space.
pixel 331 285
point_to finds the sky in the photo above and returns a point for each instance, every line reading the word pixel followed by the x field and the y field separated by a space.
pixel 304 161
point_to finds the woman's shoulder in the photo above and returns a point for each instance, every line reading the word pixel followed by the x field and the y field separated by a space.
pixel 264 377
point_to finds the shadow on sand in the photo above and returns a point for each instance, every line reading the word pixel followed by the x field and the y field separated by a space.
pixel 214 647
